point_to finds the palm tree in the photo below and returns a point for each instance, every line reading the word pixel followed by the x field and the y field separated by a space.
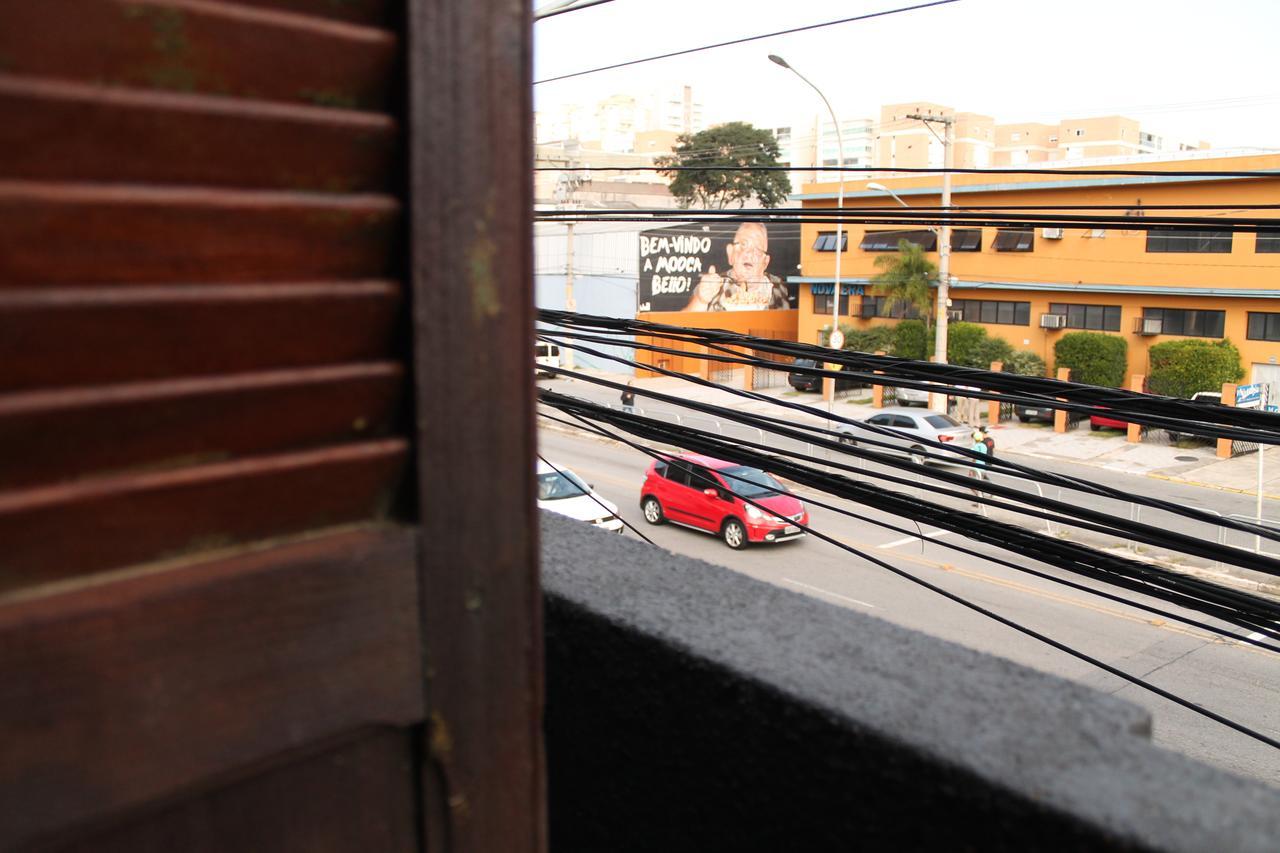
pixel 905 280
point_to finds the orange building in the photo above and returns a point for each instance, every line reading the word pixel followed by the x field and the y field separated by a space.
pixel 1031 286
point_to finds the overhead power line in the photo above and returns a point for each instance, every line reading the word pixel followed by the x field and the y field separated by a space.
pixel 562 6
pixel 929 170
pixel 745 40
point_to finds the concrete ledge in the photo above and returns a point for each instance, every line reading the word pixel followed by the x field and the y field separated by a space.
pixel 693 708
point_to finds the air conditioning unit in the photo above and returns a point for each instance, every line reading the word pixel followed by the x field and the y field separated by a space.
pixel 955 316
pixel 1053 321
pixel 1051 233
pixel 1148 326
pixel 1096 233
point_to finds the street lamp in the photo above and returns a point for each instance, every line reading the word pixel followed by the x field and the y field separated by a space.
pixel 836 339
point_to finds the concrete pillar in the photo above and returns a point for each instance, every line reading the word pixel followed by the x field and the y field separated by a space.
pixel 1133 433
pixel 748 375
pixel 828 385
pixel 1060 415
pixel 1228 399
pixel 877 391
pixel 993 406
pixel 937 402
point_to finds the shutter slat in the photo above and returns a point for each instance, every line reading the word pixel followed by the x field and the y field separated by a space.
pixel 50 436
pixel 70 337
pixel 215 48
pixel 77 132
pixel 76 529
pixel 86 233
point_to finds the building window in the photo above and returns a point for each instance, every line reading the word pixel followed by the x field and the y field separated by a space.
pixel 878 306
pixel 1014 240
pixel 1179 321
pixel 966 239
pixel 887 241
pixel 993 311
pixel 1098 318
pixel 1268 242
pixel 826 241
pixel 822 304
pixel 1263 326
pixel 1015 137
pixel 1188 242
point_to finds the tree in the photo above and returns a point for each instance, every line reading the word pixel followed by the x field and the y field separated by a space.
pixel 911 340
pixel 1181 368
pixel 736 145
pixel 905 280
pixel 1094 358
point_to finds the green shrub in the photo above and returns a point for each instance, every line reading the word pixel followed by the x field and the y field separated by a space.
pixel 1024 363
pixel 1181 368
pixel 969 345
pixel 911 340
pixel 873 339
pixel 1094 358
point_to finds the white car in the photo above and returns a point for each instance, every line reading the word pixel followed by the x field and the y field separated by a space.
pixel 564 492
pixel 909 427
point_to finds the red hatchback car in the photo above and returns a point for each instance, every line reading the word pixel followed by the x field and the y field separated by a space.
pixel 695 491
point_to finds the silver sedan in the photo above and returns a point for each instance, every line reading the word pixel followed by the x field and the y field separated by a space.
pixel 909 429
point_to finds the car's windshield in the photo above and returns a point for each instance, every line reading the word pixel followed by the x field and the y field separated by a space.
pixel 941 421
pixel 751 482
pixel 553 486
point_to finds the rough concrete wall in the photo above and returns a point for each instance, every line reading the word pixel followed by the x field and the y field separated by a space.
pixel 693 708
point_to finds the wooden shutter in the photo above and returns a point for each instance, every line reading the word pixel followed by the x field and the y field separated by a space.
pixel 211 579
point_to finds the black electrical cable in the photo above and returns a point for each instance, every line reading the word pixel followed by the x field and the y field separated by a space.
pixel 687 51
pixel 1132 679
pixel 1011 468
pixel 575 7
pixel 1076 516
pixel 992 558
pixel 926 170
pixel 1166 412
pixel 598 501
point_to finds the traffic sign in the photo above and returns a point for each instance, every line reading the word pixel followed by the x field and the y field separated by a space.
pixel 837 339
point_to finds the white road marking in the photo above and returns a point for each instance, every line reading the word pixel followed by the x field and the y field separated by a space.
pixel 932 534
pixel 828 592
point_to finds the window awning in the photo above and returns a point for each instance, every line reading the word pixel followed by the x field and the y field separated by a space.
pixel 887 241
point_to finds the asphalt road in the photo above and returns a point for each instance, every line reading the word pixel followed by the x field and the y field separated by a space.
pixel 1235 680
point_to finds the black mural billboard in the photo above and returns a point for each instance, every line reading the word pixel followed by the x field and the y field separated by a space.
pixel 720 267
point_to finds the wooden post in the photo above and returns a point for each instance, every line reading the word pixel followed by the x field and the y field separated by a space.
pixel 1060 415
pixel 877 391
pixel 993 406
pixel 1133 433
pixel 1228 399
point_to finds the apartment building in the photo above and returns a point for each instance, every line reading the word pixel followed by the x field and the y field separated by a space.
pixel 1079 139
pixel 1032 285
pixel 902 142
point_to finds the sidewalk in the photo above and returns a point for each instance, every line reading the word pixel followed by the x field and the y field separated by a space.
pixel 1154 457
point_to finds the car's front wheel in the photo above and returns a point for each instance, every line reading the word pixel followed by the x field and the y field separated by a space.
pixel 652 510
pixel 734 534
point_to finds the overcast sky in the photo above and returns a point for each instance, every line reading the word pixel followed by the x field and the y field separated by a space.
pixel 1189 69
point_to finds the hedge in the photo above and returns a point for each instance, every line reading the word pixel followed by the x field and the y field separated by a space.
pixel 1181 368
pixel 1094 358
pixel 969 345
pixel 1024 363
pixel 911 340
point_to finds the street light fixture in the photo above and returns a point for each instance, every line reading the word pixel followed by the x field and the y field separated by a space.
pixel 837 339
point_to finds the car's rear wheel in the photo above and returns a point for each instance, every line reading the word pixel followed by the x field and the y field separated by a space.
pixel 734 534
pixel 652 510
pixel 1094 427
pixel 847 440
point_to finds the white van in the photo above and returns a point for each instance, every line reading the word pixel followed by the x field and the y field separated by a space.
pixel 545 355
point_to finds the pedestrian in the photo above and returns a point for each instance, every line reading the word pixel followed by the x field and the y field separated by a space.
pixel 628 400
pixel 978 469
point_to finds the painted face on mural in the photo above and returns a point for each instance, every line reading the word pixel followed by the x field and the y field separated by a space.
pixel 749 252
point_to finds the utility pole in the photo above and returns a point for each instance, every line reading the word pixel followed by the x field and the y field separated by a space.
pixel 944 241
pixel 565 186
pixel 566 353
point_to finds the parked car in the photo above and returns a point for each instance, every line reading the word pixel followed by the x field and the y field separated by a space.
pixel 805 382
pixel 1097 422
pixel 1203 398
pixel 707 494
pixel 1027 414
pixel 912 427
pixel 912 397
pixel 564 492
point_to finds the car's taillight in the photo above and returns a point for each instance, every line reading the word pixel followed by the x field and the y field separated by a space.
pixel 945 437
